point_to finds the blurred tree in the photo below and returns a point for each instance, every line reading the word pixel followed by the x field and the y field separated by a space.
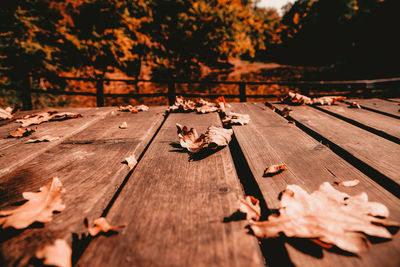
pixel 29 42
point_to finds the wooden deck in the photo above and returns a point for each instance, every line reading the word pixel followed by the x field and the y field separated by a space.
pixel 178 212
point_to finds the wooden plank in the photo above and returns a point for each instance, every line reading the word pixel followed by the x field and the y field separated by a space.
pixel 381 155
pixel 270 139
pixel 379 105
pixel 377 123
pixel 16 151
pixel 174 209
pixel 394 100
pixel 89 164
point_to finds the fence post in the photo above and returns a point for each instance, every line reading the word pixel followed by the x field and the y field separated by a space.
pixel 100 92
pixel 171 93
pixel 26 93
pixel 242 92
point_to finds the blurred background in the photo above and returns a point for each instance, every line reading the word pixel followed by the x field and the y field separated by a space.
pixel 61 53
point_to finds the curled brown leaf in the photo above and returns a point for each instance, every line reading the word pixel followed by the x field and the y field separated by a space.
pixel 38 118
pixel 21 132
pixel 101 225
pixel 298 99
pixel 6 113
pixel 274 169
pixel 133 109
pixel 39 207
pixel 214 137
pixel 349 183
pixel 131 161
pixel 236 118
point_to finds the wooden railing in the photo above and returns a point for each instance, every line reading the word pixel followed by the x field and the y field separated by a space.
pixel 359 88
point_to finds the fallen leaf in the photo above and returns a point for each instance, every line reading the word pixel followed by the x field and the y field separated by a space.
pixel 251 207
pixel 38 118
pixel 133 109
pixel 182 105
pixel 354 105
pixel 349 183
pixel 39 207
pixel 236 118
pixel 214 137
pixel 21 132
pixel 274 169
pixel 200 106
pixel 100 225
pixel 131 161
pixel 298 99
pixel 45 138
pixel 124 125
pixel 189 139
pixel 286 111
pixel 292 122
pixel 329 216
pixel 58 254
pixel 6 113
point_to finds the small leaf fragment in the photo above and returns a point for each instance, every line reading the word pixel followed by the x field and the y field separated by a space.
pixel 354 105
pixel 21 132
pixel 131 161
pixel 274 169
pixel 100 225
pixel 39 207
pixel 45 138
pixel 349 183
pixel 58 254
pixel 124 125
pixel 251 207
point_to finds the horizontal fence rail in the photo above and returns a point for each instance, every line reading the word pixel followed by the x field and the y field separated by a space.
pixel 355 88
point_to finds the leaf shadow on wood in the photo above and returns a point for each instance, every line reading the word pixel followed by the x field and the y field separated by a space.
pixel 10 232
pixel 202 154
pixel 79 245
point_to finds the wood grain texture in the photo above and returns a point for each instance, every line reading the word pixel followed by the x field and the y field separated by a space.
pixel 380 105
pixel 174 209
pixel 269 139
pixel 377 121
pixel 377 152
pixel 15 151
pixel 395 100
pixel 89 164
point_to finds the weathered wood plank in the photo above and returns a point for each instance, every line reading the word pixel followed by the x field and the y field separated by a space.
pixel 89 164
pixel 380 154
pixel 269 139
pixel 174 209
pixel 379 105
pixel 15 151
pixel 382 125
pixel 394 99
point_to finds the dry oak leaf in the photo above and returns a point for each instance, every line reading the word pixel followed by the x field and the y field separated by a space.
pixel 100 225
pixel 204 106
pixel 214 137
pixel 200 106
pixel 58 254
pixel 38 118
pixel 182 105
pixel 328 216
pixel 286 111
pixel 251 207
pixel 133 109
pixel 131 161
pixel 45 138
pixel 349 183
pixel 21 132
pixel 298 99
pixel 274 169
pixel 6 113
pixel 39 207
pixel 236 118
